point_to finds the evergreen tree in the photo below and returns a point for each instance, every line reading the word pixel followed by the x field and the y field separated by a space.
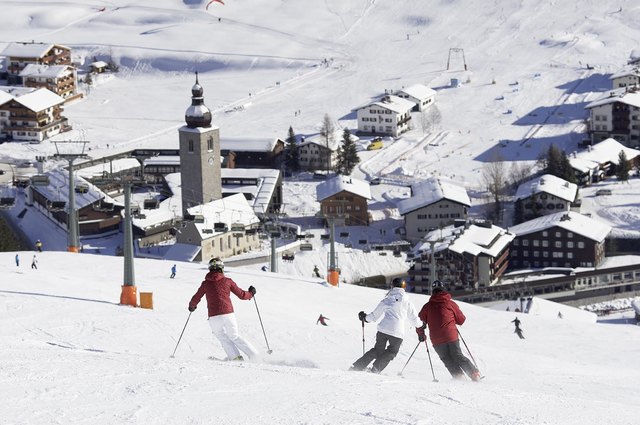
pixel 623 168
pixel 347 154
pixel 557 164
pixel 291 153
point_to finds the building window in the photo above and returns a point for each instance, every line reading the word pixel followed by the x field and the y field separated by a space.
pixel 545 243
pixel 580 245
pixel 569 244
pixel 569 234
pixel 570 255
pixel 545 234
pixel 558 235
pixel 545 254
pixel 516 242
pixel 558 244
pixel 536 242
pixel 525 242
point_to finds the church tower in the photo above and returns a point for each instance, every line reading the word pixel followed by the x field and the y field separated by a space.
pixel 199 154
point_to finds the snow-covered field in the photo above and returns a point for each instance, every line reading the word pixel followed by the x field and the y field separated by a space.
pixel 72 355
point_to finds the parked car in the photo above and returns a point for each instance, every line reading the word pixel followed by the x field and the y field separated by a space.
pixel 375 144
pixel 375 181
pixel 602 192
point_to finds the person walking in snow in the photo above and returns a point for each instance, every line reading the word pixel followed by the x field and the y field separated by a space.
pixel 34 263
pixel 517 331
pixel 173 272
pixel 39 245
pixel 316 271
pixel 322 320
pixel 441 314
pixel 222 319
pixel 17 260
pixel 395 309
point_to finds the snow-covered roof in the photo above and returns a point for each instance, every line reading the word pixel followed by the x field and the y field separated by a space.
pixel 47 71
pixel 15 91
pixel 550 184
pixel 261 194
pixel 28 50
pixel 58 189
pixel 343 184
pixel 393 103
pixel 40 100
pixel 432 190
pixel 99 64
pixel 625 72
pixel 318 139
pixel 113 166
pixel 419 91
pixel 243 144
pixel 622 95
pixel 571 221
pixel 4 97
pixel 232 209
pixel 474 239
pixel 606 151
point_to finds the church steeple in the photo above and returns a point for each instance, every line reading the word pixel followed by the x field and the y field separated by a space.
pixel 197 115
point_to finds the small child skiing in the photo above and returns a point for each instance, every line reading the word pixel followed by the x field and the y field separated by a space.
pixel 322 320
pixel 34 263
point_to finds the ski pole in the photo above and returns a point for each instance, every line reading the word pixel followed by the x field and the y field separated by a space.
pixel 269 350
pixel 181 333
pixel 467 347
pixel 405 365
pixel 362 337
pixel 426 344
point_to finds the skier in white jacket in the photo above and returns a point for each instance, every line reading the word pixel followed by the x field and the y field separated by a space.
pixel 397 309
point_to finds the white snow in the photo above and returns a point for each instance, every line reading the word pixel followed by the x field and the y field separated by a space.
pixel 71 355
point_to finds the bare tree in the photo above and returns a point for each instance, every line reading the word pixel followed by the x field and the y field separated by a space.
pixel 327 131
pixel 519 172
pixel 494 176
pixel 430 118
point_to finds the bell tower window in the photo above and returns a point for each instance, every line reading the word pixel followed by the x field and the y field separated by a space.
pixel 210 144
pixel 191 146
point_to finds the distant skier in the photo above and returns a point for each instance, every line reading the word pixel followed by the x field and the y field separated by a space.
pixel 441 314
pixel 395 309
pixel 173 272
pixel 17 260
pixel 264 268
pixel 316 271
pixel 34 262
pixel 517 331
pixel 559 315
pixel 322 320
pixel 39 245
pixel 222 319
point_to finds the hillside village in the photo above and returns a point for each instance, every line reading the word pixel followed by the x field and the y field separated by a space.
pixel 226 196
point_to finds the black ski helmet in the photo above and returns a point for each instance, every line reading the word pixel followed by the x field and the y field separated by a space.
pixel 398 282
pixel 437 287
pixel 216 265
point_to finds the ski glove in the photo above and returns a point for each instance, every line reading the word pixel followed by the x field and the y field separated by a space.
pixel 362 316
pixel 421 335
pixel 252 290
pixel 192 309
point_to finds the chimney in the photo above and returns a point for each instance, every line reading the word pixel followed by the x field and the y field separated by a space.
pixel 565 217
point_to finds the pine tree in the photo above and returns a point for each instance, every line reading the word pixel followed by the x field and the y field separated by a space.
pixel 347 155
pixel 623 168
pixel 557 164
pixel 291 153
